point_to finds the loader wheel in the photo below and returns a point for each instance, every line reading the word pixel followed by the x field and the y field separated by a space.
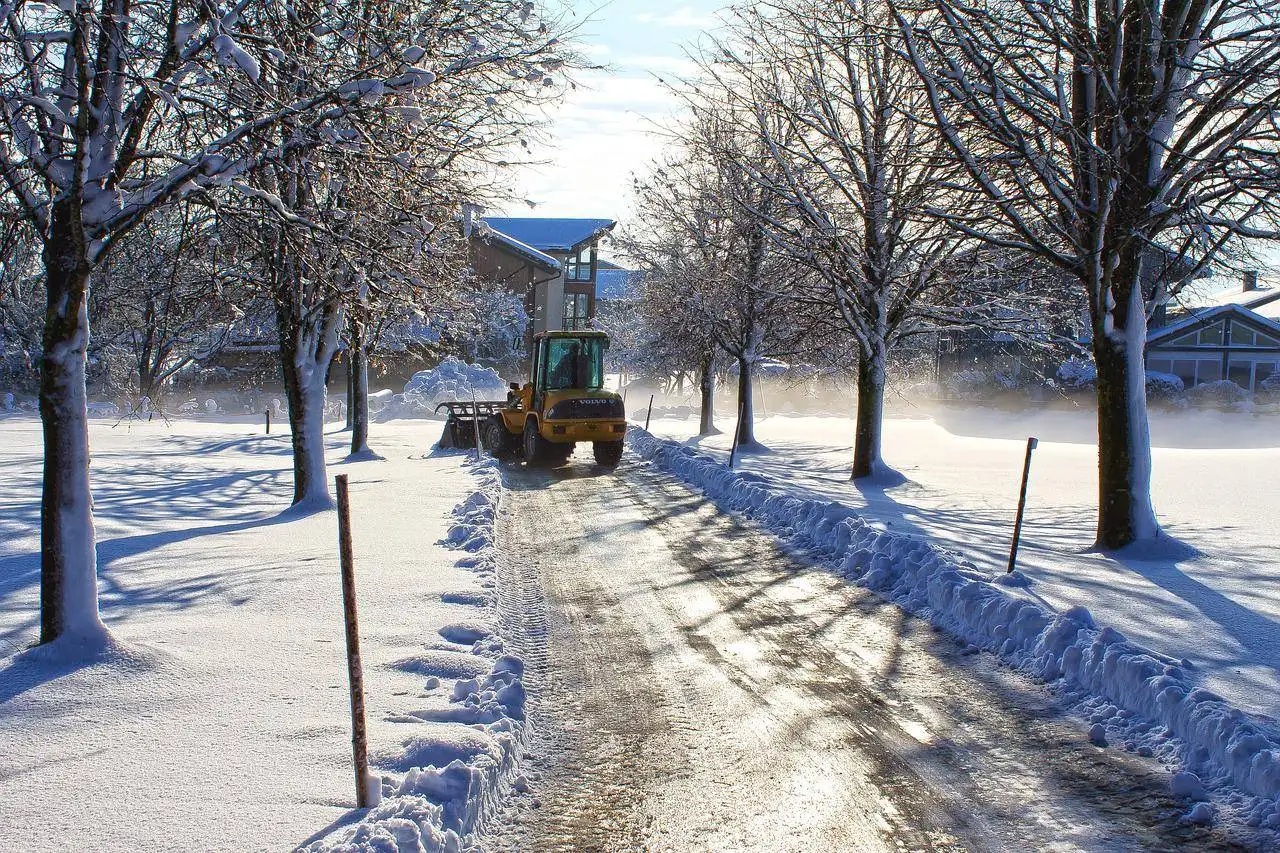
pixel 497 440
pixel 537 450
pixel 608 453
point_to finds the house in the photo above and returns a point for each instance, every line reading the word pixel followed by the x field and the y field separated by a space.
pixel 553 262
pixel 1215 333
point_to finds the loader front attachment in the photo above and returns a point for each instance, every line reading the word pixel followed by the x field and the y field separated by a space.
pixel 464 422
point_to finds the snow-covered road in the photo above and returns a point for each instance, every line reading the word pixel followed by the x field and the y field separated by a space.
pixel 698 689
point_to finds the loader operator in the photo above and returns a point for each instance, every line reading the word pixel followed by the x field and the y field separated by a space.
pixel 564 374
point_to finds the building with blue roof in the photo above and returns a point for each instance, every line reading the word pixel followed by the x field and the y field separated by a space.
pixel 552 261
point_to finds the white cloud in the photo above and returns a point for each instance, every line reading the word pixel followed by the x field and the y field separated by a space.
pixel 685 17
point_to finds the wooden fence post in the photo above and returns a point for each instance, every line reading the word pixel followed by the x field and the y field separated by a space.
pixel 366 796
pixel 1022 505
pixel 268 414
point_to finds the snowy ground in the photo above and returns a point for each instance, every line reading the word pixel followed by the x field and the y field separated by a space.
pixel 222 721
pixel 698 687
pixel 1213 596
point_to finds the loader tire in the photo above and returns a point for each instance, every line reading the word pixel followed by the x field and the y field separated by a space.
pixel 607 453
pixel 537 450
pixel 497 440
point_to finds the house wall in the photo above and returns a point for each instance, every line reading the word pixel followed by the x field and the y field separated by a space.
pixel 542 289
pixel 1220 348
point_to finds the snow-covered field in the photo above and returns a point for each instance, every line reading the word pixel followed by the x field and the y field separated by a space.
pixel 1212 596
pixel 220 720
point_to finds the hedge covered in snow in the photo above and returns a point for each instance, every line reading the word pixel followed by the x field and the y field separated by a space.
pixel 1127 692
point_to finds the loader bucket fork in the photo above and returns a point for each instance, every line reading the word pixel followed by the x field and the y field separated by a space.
pixel 465 419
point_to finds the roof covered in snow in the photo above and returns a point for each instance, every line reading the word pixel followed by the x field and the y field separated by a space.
pixel 518 247
pixel 550 235
pixel 1225 290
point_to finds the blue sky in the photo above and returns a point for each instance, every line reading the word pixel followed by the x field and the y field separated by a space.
pixel 600 135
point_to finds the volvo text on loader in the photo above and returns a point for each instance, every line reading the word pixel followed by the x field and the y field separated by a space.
pixel 563 404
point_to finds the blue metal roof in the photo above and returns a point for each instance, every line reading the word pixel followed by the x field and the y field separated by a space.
pixel 550 235
pixel 617 284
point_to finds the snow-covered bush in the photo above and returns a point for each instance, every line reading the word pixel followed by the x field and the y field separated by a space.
pixel 1077 374
pixel 453 380
pixel 1269 389
pixel 1166 389
pixel 1223 394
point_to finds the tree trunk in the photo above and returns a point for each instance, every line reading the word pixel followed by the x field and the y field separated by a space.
pixel 1125 512
pixel 358 411
pixel 869 427
pixel 304 388
pixel 746 420
pixel 68 561
pixel 351 387
pixel 707 385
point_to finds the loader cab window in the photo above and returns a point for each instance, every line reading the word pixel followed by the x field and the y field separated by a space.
pixel 572 363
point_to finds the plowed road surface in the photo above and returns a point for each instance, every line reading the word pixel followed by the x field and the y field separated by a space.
pixel 695 688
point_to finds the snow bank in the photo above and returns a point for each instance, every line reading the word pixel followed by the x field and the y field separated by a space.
pixel 463 755
pixel 452 380
pixel 1131 695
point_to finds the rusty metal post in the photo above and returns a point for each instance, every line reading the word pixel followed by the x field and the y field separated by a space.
pixel 649 415
pixel 1022 505
pixel 355 674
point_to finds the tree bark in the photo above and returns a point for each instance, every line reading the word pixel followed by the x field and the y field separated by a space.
pixel 68 560
pixel 1125 512
pixel 351 387
pixel 746 405
pixel 358 411
pixel 307 348
pixel 707 385
pixel 869 422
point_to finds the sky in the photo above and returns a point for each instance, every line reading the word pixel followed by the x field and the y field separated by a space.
pixel 602 135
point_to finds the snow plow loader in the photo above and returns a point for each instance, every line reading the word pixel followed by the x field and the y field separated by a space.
pixel 543 420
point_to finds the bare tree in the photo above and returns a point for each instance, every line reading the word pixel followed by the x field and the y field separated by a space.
pixel 851 174
pixel 109 111
pixel 708 215
pixel 1126 142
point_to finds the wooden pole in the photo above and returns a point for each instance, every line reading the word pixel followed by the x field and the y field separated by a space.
pixel 1022 505
pixel 649 415
pixel 359 739
pixel 268 414
pixel 737 431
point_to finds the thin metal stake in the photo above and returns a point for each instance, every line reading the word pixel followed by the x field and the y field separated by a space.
pixel 646 417
pixel 355 674
pixel 1022 505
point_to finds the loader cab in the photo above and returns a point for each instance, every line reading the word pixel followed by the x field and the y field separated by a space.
pixel 567 361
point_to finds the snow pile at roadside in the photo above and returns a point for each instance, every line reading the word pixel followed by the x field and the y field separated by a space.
pixel 452 380
pixel 1131 695
pixel 445 780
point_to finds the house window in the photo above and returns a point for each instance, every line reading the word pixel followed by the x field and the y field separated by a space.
pixel 1211 336
pixel 575 311
pixel 1241 373
pixel 579 267
pixel 1242 335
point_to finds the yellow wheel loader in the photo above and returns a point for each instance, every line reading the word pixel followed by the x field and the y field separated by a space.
pixel 563 404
